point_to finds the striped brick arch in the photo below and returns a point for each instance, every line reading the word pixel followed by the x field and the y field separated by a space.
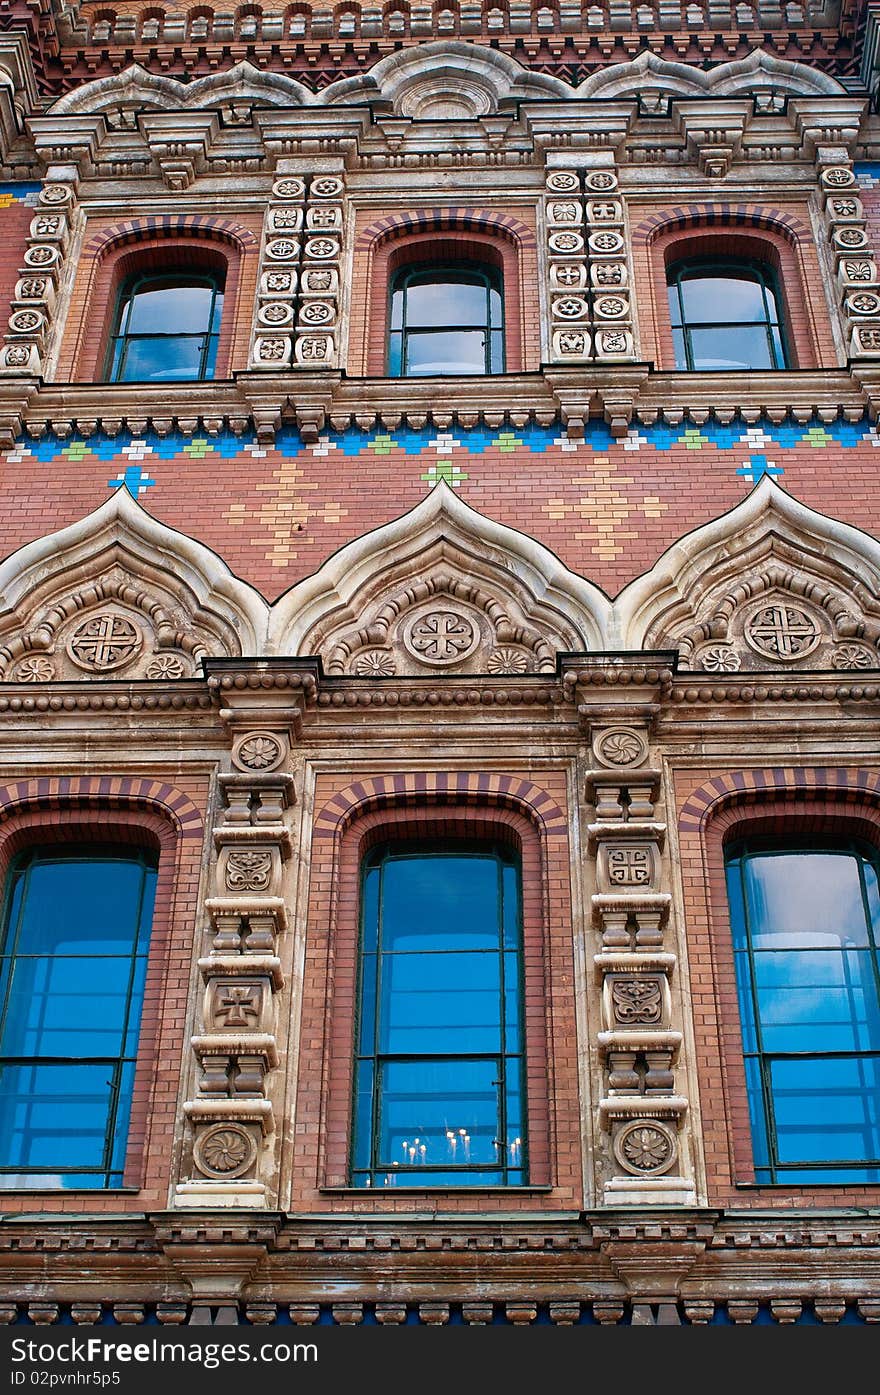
pixel 844 785
pixel 170 224
pixel 102 792
pixel 436 220
pixel 723 216
pixel 416 789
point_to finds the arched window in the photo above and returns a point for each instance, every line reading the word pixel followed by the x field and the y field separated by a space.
pixel 725 315
pixel 167 328
pixel 806 935
pixel 439 1078
pixel 446 320
pixel 76 931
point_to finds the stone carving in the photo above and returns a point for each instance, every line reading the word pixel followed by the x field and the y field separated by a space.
pixel 508 660
pixel 645 1147
pixel 236 1004
pixel 326 187
pixel 777 584
pixel 288 189
pixel 441 637
pixel 620 746
pixel 34 669
pixel 562 182
pixel 374 663
pixel 226 1151
pixel 282 249
pixel 718 658
pixel 167 666
pixel 258 750
pixel 637 1002
pixel 630 866
pixel 853 656
pixel 782 632
pixel 248 871
pixel 104 642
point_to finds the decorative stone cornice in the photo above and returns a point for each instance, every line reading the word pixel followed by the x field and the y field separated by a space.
pixel 622 395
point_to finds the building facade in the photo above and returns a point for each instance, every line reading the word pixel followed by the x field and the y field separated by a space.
pixel 440 659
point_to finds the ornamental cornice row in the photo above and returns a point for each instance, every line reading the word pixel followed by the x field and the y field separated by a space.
pixel 621 395
pixel 282 1233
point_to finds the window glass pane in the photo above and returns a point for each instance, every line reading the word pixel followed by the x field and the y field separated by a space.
pixel 54 1116
pixel 678 344
pixel 817 1000
pixel 801 899
pixel 438 1113
pixel 431 1000
pixel 81 907
pixel 45 1014
pixel 442 902
pixel 723 297
pixel 396 320
pixel 744 346
pixel 674 304
pixel 447 351
pixel 453 298
pixel 164 359
pixel 826 1109
pixel 72 983
pixel 170 308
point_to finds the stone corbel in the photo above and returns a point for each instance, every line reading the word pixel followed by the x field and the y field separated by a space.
pixel 69 140
pixel 827 121
pixel 713 131
pixel 180 143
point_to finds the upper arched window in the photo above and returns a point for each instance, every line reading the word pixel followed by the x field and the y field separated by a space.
pixel 806 937
pixel 446 320
pixel 73 958
pixel 439 1095
pixel 725 314
pixel 167 328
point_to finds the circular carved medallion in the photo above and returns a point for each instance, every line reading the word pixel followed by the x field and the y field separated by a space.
pixel 645 1147
pixel 853 656
pixel 507 659
pixel 441 636
pixel 784 633
pixel 167 666
pixel 36 668
pixel 259 750
pixel 374 663
pixel 621 746
pixel 717 658
pixel 104 642
pixel 225 1151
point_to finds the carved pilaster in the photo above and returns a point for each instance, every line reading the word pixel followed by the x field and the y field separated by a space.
pixel 639 1041
pixel 235 1044
pixel 856 268
pixel 30 323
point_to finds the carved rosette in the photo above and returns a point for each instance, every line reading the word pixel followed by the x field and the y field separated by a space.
pixel 30 322
pixel 640 1111
pixel 857 275
pixel 568 288
pixel 231 1112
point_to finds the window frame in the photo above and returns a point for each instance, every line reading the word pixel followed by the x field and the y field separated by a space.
pixel 120 339
pixel 470 1175
pixel 118 1119
pixel 768 1170
pixel 766 276
pixel 398 281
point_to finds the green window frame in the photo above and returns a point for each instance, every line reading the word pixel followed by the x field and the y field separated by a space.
pixel 166 328
pixel 805 921
pixel 726 315
pixel 446 320
pixel 73 962
pixel 439 1073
